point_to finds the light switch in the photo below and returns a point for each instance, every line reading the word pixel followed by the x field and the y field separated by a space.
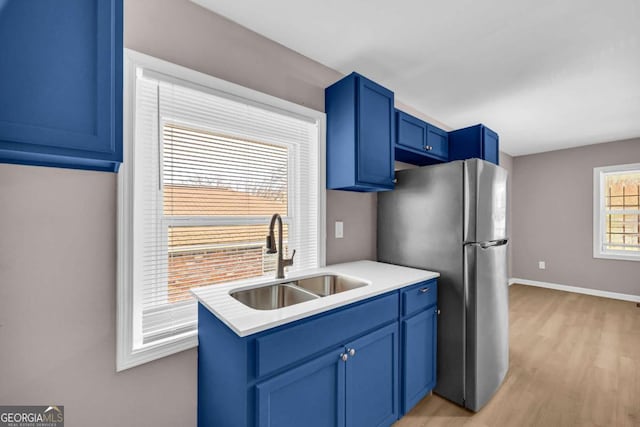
pixel 339 229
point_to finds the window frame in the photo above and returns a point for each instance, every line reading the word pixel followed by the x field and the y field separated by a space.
pixel 599 212
pixel 127 356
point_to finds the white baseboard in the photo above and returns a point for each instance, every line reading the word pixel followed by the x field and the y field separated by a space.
pixel 575 289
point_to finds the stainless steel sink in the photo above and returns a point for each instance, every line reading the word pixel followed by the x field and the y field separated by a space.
pixel 273 296
pixel 270 297
pixel 328 284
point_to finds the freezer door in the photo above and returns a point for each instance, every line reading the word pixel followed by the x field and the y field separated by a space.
pixel 485 215
pixel 487 321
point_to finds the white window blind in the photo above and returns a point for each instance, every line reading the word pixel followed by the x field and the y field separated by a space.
pixel 209 171
pixel 617 212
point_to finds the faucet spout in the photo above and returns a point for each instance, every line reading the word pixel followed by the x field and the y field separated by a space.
pixel 272 248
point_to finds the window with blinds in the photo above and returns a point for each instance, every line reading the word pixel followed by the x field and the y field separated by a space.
pixel 209 169
pixel 618 212
pixel 213 188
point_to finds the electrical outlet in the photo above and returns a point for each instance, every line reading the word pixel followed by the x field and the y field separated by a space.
pixel 339 229
pixel 542 265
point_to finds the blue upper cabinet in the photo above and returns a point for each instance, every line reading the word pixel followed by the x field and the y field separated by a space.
pixel 418 142
pixel 437 143
pixel 474 142
pixel 360 135
pixel 411 132
pixel 61 85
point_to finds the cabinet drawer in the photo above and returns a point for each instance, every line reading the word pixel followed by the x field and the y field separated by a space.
pixel 419 296
pixel 283 347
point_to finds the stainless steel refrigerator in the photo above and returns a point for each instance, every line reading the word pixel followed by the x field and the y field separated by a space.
pixel 451 218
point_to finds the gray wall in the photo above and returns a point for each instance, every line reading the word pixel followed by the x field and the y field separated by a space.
pixel 359 213
pixel 506 161
pixel 58 309
pixel 553 219
pixel 58 247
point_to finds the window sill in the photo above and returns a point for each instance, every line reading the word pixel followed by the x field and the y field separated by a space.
pixel 128 358
pixel 619 257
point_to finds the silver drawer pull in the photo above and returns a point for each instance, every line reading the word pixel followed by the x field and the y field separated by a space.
pixel 425 290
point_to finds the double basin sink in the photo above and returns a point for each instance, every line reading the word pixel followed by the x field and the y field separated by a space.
pixel 271 297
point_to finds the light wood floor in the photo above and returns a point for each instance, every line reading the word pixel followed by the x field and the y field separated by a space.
pixel 575 361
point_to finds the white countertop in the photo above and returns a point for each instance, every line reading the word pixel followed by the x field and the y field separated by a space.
pixel 245 321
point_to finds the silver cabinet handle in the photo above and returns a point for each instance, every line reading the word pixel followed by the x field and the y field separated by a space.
pixel 425 290
pixel 344 357
pixel 352 352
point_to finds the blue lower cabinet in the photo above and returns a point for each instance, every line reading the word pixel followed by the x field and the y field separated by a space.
pixel 310 395
pixel 418 345
pixel 355 386
pixel 419 357
pixel 320 371
pixel 348 367
pixel 372 379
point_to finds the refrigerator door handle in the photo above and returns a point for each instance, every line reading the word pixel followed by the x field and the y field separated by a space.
pixel 485 245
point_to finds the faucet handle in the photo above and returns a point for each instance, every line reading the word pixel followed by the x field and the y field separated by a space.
pixel 289 262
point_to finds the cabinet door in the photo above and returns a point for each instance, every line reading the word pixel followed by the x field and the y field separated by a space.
pixel 372 379
pixel 412 132
pixel 490 146
pixel 311 395
pixel 418 357
pixel 61 86
pixel 438 142
pixel 375 134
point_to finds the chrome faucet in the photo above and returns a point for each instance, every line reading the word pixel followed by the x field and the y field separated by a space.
pixel 272 249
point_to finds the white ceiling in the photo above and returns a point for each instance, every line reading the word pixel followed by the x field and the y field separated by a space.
pixel 544 74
